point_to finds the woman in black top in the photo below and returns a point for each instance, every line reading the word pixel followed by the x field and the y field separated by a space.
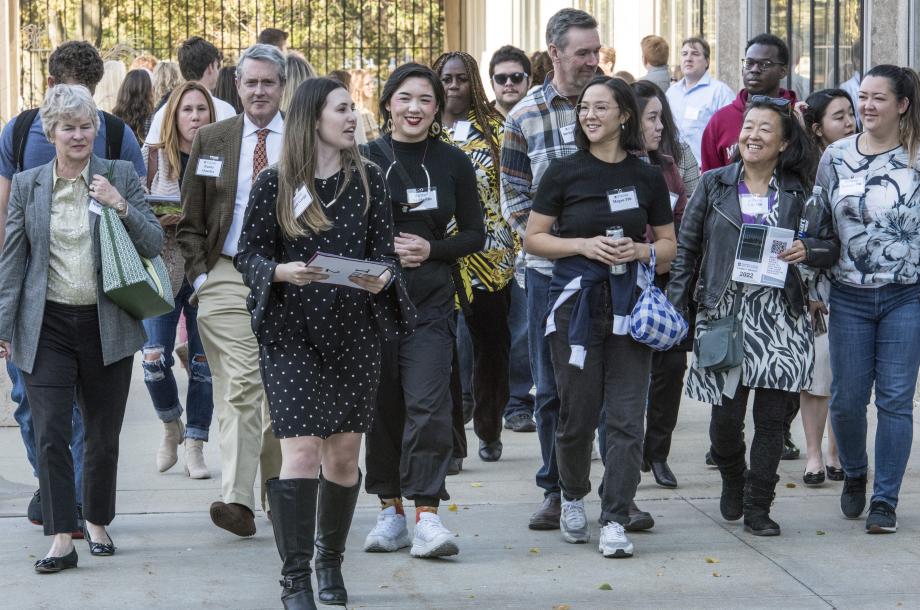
pixel 319 344
pixel 600 186
pixel 430 181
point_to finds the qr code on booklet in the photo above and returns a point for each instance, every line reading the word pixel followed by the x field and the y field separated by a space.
pixel 777 246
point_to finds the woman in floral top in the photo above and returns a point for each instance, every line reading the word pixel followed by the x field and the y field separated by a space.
pixel 476 128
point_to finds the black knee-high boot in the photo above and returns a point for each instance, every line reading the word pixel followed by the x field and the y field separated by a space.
pixel 335 509
pixel 758 496
pixel 293 503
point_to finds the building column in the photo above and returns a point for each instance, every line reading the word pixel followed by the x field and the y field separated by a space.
pixel 732 34
pixel 887 32
pixel 9 76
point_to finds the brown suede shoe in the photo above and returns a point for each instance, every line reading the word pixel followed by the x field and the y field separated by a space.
pixel 234 518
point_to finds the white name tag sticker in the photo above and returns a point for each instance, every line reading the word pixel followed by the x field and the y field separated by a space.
pixel 691 113
pixel 674 198
pixel 302 200
pixel 568 133
pixel 462 131
pixel 209 166
pixel 95 207
pixel 753 205
pixel 621 200
pixel 849 187
pixel 422 199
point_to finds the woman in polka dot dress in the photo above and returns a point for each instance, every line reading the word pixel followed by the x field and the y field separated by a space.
pixel 319 344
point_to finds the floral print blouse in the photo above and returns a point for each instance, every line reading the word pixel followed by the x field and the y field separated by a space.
pixel 875 204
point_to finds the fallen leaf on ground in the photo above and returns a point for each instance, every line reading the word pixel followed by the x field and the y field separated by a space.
pixel 716 574
pixel 605 587
pixel 791 485
pixel 534 550
pixel 820 533
pixel 452 508
pixel 712 560
pixel 475 484
pixel 562 607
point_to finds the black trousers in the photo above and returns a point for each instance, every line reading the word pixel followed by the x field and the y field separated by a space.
pixel 663 403
pixel 491 337
pixel 458 418
pixel 726 430
pixel 69 358
pixel 409 447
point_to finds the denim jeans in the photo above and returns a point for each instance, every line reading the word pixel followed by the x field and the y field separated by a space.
pixel 23 417
pixel 520 377
pixel 158 374
pixel 874 340
pixel 546 405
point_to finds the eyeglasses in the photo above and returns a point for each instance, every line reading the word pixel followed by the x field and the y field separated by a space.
pixel 515 77
pixel 763 64
pixel 780 103
pixel 600 110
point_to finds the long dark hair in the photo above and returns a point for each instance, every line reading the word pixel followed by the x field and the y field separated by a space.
pixel 800 158
pixel 226 88
pixel 817 104
pixel 631 134
pixel 670 145
pixel 906 85
pixel 400 74
pixel 135 102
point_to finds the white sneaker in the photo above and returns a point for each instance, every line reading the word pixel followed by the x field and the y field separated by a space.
pixel 614 542
pixel 390 533
pixel 432 539
pixel 574 522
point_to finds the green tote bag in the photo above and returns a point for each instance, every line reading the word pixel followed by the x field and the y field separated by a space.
pixel 138 285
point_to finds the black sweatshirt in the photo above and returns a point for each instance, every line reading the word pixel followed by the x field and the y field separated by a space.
pixel 452 174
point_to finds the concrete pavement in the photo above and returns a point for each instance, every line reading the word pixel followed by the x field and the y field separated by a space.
pixel 171 556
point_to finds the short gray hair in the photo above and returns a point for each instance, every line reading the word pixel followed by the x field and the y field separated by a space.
pixel 67 102
pixel 559 25
pixel 264 52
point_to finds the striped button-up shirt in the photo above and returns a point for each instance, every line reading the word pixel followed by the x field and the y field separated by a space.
pixel 538 129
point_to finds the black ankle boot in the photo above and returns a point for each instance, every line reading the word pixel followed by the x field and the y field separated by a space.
pixel 293 503
pixel 335 509
pixel 758 496
pixel 732 471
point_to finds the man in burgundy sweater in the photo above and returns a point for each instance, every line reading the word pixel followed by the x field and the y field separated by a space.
pixel 764 67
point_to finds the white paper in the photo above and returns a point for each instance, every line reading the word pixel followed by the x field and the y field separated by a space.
pixel 621 200
pixel 423 199
pixel 754 205
pixel 340 268
pixel 852 186
pixel 568 133
pixel 691 113
pixel 209 166
pixel 757 256
pixel 302 200
pixel 95 207
pixel 462 131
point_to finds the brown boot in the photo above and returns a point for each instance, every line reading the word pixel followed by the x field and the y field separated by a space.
pixel 235 518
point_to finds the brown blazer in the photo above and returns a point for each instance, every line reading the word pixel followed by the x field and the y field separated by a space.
pixel 207 203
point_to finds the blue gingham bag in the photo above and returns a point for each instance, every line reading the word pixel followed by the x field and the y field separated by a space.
pixel 654 321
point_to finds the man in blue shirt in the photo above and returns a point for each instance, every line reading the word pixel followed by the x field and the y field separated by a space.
pixel 697 96
pixel 72 63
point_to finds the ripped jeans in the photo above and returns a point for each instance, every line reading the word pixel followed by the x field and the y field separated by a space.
pixel 158 374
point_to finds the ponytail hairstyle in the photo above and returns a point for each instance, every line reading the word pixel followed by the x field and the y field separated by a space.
pixel 905 83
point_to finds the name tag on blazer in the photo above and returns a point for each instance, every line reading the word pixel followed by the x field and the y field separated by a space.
pixel 209 166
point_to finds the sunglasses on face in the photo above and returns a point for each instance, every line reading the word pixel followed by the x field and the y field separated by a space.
pixel 780 103
pixel 515 77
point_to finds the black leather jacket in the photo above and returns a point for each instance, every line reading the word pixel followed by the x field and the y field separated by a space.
pixel 709 235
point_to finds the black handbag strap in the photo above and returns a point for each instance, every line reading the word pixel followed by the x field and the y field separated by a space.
pixel 736 302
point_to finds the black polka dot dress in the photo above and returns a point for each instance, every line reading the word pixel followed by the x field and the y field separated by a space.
pixel 319 344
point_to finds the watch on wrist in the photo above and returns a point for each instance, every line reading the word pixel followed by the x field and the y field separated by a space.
pixel 121 208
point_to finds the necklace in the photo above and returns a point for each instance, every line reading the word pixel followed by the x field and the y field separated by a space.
pixel 323 181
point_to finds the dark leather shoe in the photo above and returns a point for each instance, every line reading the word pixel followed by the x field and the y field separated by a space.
pixel 521 422
pixel 100 549
pixel 490 452
pixel 834 473
pixel 235 518
pixel 813 478
pixel 639 520
pixel 455 466
pixel 709 461
pixel 50 565
pixel 34 512
pixel 663 475
pixel 547 516
pixel 790 451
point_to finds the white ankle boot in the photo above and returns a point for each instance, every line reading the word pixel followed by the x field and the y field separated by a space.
pixel 195 467
pixel 168 453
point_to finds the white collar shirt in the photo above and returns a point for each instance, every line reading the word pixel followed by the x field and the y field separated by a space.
pixel 692 107
pixel 222 110
pixel 244 175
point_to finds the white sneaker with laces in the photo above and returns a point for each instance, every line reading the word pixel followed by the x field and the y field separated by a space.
pixel 574 522
pixel 390 533
pixel 432 539
pixel 614 542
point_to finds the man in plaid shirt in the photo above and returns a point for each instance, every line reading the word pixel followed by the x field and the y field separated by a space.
pixel 540 128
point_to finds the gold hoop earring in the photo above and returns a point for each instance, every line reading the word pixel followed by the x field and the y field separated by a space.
pixel 435 129
pixel 388 126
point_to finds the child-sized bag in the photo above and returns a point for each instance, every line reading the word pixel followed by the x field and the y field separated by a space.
pixel 654 321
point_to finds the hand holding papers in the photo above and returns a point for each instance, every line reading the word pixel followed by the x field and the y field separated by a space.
pixel 757 258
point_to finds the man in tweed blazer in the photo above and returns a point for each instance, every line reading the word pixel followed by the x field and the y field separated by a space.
pixel 225 159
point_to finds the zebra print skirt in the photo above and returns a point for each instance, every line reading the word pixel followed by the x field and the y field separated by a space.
pixel 778 345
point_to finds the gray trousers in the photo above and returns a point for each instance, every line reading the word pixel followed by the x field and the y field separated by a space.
pixel 615 378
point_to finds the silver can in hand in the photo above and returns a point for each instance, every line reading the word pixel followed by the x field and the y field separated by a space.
pixel 616 233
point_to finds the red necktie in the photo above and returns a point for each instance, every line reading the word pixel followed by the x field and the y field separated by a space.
pixel 260 156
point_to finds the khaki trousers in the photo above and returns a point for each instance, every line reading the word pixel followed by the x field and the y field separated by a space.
pixel 246 439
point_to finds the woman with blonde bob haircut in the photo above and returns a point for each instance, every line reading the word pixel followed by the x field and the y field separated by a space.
pixel 319 343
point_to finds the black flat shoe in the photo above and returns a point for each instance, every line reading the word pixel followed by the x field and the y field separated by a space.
pixel 98 548
pixel 813 478
pixel 50 565
pixel 834 474
pixel 490 452
pixel 663 475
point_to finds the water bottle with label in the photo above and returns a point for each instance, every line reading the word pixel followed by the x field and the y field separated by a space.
pixel 808 224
